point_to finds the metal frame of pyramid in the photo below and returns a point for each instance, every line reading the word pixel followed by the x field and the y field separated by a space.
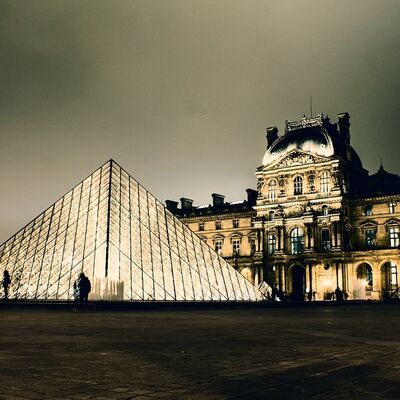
pixel 128 244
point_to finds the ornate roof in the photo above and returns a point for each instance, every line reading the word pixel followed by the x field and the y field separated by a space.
pixel 315 136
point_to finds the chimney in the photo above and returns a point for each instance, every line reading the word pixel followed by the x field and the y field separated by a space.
pixel 272 135
pixel 344 126
pixel 251 196
pixel 186 204
pixel 171 206
pixel 218 200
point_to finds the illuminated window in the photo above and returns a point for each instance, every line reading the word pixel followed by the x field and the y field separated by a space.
pixel 326 239
pixel 271 243
pixel 217 224
pixel 218 246
pixel 236 246
pixel 201 226
pixel 368 210
pixel 325 182
pixel 370 238
pixel 272 189
pixel 236 223
pixel 392 208
pixel 393 274
pixel 394 236
pixel 298 185
pixel 297 240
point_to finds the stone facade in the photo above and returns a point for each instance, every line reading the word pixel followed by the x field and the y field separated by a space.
pixel 318 221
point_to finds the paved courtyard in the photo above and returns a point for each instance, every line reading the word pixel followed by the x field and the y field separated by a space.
pixel 321 352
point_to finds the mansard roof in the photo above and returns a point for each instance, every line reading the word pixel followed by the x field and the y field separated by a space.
pixel 383 183
pixel 316 136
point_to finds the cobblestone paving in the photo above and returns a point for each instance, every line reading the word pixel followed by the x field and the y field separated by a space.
pixel 343 352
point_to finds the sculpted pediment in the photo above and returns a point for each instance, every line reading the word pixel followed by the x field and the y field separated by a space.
pixel 296 157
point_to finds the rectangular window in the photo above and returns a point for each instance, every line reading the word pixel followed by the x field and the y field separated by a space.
pixel 271 244
pixel 235 246
pixel 394 236
pixel 393 274
pixel 217 224
pixel 392 208
pixel 326 239
pixel 370 238
pixel 236 223
pixel 218 246
pixel 201 226
pixel 368 210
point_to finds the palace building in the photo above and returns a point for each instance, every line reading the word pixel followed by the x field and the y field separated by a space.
pixel 318 220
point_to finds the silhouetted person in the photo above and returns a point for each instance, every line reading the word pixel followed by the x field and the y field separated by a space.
pixel 313 295
pixel 309 295
pixel 84 288
pixel 338 294
pixel 6 283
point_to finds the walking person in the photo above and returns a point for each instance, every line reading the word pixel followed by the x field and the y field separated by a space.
pixel 84 288
pixel 6 283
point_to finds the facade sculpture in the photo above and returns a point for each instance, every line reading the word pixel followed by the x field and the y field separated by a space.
pixel 317 222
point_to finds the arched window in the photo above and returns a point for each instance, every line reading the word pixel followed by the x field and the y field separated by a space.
pixel 298 185
pixel 272 189
pixel 364 274
pixel 325 182
pixel 297 240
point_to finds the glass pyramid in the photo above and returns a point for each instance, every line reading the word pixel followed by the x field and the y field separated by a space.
pixel 128 244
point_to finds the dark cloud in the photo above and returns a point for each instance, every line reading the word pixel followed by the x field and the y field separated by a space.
pixel 180 92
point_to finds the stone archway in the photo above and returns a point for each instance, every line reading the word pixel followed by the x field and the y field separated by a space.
pixel 297 283
pixel 364 281
pixel 389 277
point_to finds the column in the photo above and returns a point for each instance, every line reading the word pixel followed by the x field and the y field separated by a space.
pixel 310 277
pixel 312 238
pixel 261 273
pixel 344 283
pixel 256 281
pixel 280 280
pixel 307 236
pixel 337 273
pixel 339 234
pixel 262 240
pixel 334 234
pixel 278 238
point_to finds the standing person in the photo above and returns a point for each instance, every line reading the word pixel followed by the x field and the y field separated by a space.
pixel 84 288
pixel 6 283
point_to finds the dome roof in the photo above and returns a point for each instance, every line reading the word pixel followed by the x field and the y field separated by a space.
pixel 313 140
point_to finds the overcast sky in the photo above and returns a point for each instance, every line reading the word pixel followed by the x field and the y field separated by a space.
pixel 179 92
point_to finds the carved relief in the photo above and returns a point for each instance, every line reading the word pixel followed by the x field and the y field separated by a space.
pixel 260 183
pixel 280 212
pixel 282 181
pixel 311 181
pixel 296 158
pixel 336 178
